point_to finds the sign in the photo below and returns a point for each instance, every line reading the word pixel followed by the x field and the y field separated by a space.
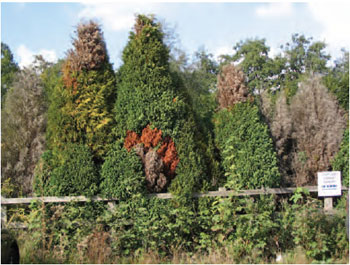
pixel 329 183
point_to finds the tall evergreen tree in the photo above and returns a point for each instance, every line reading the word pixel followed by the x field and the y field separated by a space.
pixel 242 137
pixel 80 117
pixel 152 116
pixel 81 104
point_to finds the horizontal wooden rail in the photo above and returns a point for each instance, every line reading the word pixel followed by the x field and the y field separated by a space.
pixel 220 193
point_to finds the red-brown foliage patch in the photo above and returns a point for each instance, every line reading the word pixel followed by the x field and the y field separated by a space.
pixel 131 140
pixel 159 166
pixel 151 138
pixel 168 153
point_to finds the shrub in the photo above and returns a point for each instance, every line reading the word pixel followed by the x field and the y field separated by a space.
pixel 72 172
pixel 246 225
pixel 121 173
pixel 321 236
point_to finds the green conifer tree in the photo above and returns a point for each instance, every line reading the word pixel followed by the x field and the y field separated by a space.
pixel 150 106
pixel 246 148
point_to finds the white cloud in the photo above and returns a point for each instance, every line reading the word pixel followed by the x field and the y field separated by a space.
pixel 26 56
pixel 274 10
pixel 334 18
pixel 223 50
pixel 117 16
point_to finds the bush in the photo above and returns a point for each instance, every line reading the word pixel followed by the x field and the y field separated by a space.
pixel 121 174
pixel 322 236
pixel 246 148
pixel 72 172
pixel 246 225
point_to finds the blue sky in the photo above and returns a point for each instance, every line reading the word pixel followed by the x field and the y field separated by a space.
pixel 48 28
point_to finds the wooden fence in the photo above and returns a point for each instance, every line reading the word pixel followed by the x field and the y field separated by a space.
pixel 222 192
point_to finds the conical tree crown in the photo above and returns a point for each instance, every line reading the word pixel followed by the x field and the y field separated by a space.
pixel 90 51
pixel 146 93
pixel 82 104
pixel 152 117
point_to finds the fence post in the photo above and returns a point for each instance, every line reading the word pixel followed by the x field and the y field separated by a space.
pixel 3 216
pixel 328 203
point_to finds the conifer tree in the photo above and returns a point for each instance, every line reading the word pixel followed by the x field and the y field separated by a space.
pixel 153 118
pixel 81 105
pixel 80 117
pixel 246 147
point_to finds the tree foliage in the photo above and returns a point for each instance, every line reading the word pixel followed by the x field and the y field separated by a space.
pixel 9 68
pixel 246 148
pixel 341 159
pixel 231 87
pixel 198 79
pixel 81 95
pixel 23 129
pixel 81 109
pixel 75 173
pixel 337 81
pixel 147 96
pixel 306 133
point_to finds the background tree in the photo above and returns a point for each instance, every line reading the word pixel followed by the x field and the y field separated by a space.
pixel 253 58
pixel 337 81
pixel 23 130
pixel 307 132
pixel 303 57
pixel 8 70
pixel 317 130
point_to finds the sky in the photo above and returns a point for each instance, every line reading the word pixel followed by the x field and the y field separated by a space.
pixel 47 28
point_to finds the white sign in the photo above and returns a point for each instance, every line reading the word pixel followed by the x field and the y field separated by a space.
pixel 329 183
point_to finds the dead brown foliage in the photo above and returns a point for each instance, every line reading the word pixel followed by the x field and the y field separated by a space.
pixel 307 133
pixel 159 165
pixel 231 87
pixel 318 127
pixel 89 48
pixel 131 140
pixel 150 138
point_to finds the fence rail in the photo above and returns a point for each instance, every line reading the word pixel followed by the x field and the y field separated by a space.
pixel 222 192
